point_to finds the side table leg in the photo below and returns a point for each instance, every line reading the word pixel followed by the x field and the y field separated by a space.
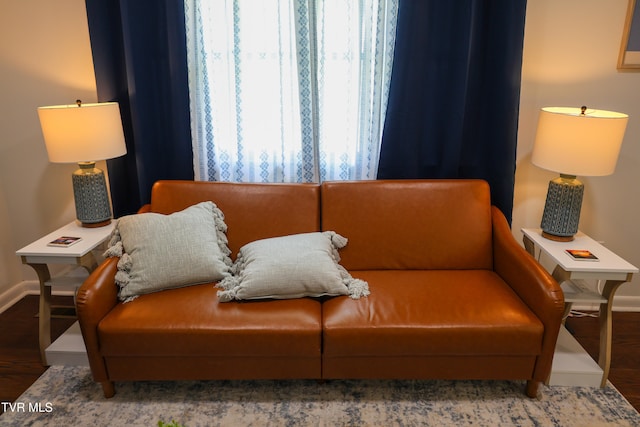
pixel 88 262
pixel 566 312
pixel 604 358
pixel 529 245
pixel 561 276
pixel 44 311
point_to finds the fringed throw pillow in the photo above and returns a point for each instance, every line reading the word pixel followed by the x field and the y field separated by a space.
pixel 168 251
pixel 292 266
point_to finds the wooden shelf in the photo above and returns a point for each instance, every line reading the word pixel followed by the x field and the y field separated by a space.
pixel 572 365
pixel 578 291
pixel 68 349
pixel 69 279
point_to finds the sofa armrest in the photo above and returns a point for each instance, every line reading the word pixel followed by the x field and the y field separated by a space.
pixel 533 284
pixel 95 299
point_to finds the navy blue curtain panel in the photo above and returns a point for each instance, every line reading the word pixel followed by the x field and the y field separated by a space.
pixel 454 96
pixel 140 60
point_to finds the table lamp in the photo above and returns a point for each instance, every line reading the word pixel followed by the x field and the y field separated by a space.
pixel 84 133
pixel 574 141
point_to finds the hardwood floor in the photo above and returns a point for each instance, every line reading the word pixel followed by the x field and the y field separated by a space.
pixel 625 353
pixel 20 363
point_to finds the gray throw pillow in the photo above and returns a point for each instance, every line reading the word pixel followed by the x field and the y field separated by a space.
pixel 168 251
pixel 292 266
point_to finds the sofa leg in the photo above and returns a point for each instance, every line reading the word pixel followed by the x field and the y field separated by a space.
pixel 532 388
pixel 108 388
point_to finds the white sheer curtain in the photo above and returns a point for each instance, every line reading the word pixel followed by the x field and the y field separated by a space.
pixel 288 90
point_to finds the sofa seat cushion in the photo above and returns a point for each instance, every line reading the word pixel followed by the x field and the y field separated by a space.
pixel 422 313
pixel 190 321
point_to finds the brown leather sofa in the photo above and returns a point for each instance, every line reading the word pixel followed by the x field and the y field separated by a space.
pixel 453 295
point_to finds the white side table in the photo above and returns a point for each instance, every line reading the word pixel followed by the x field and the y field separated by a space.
pixel 38 255
pixel 570 273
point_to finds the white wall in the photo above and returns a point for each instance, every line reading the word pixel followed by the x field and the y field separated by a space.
pixel 570 56
pixel 45 59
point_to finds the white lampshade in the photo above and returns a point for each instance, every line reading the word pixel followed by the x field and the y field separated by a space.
pixel 573 143
pixel 88 132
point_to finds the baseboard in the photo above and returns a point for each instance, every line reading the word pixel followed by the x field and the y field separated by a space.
pixel 22 289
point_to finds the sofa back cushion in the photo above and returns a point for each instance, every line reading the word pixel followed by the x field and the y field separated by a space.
pixel 251 211
pixel 411 224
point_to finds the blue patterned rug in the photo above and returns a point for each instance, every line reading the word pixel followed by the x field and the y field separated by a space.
pixel 68 396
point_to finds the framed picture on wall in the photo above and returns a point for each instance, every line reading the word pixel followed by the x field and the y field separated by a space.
pixel 629 57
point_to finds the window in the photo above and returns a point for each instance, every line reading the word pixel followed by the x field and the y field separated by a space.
pixel 288 90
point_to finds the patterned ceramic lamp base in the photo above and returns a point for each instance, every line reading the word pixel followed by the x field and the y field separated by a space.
pixel 91 196
pixel 562 208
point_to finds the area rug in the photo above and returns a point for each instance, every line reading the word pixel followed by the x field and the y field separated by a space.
pixel 68 396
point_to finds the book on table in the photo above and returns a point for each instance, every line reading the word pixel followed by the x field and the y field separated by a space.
pixel 64 241
pixel 581 254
